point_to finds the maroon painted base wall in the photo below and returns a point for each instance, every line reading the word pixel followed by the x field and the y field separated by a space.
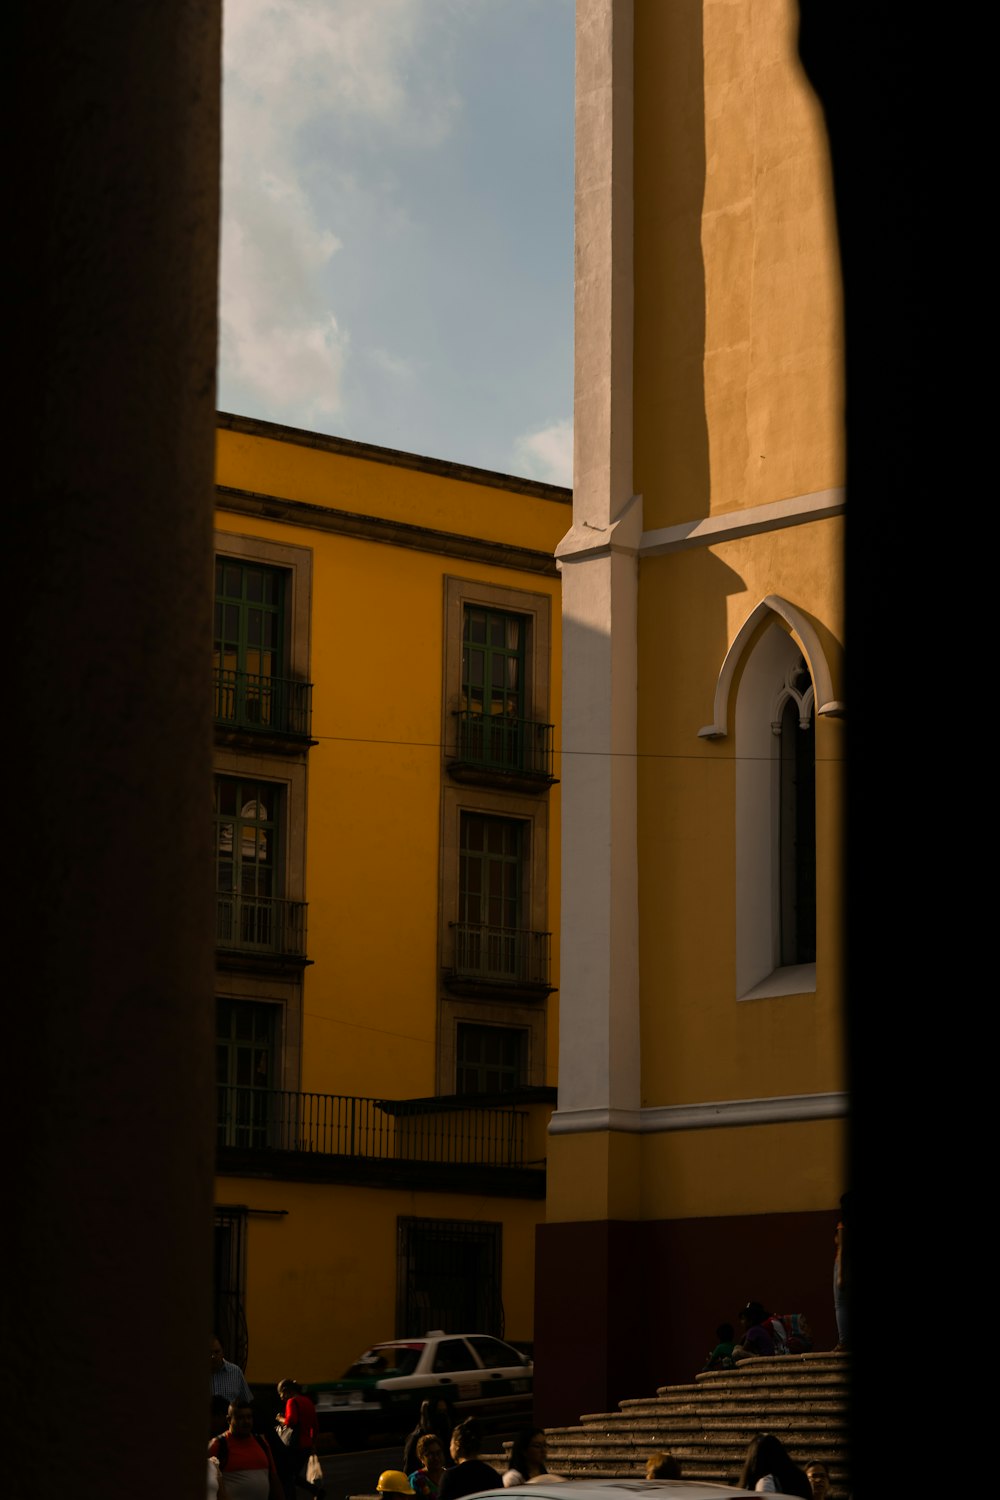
pixel 623 1307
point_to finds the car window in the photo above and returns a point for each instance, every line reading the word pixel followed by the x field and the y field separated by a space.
pixel 494 1354
pixel 452 1354
pixel 388 1359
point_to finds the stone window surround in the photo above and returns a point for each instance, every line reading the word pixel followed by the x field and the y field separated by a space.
pixel 759 971
pixel 526 1016
pixel 289 774
pixel 454 1010
pixel 536 608
pixel 297 563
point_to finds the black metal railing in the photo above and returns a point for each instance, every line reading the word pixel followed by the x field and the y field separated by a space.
pixel 501 953
pixel 272 705
pixel 260 924
pixel 369 1129
pixel 495 742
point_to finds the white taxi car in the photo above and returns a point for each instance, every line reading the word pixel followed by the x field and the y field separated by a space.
pixel 622 1489
pixel 478 1375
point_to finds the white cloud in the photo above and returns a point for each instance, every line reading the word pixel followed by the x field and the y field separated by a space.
pixel 391 364
pixel 373 60
pixel 297 75
pixel 547 453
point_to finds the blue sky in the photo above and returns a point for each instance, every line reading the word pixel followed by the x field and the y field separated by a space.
pixel 397 238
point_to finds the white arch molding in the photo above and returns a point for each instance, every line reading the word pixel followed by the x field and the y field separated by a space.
pixel 812 650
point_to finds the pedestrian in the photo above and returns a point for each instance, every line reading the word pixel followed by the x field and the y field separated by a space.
pixel 226 1379
pixel 818 1476
pixel 769 1468
pixel 470 1474
pixel 527 1457
pixel 426 1480
pixel 245 1460
pixel 757 1338
pixel 435 1416
pixel 297 1427
pixel 393 1482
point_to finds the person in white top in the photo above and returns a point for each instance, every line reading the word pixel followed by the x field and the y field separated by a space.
pixel 769 1468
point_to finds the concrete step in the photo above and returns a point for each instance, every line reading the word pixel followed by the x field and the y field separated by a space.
pixel 727 1390
pixel 822 1359
pixel 770 1369
pixel 735 1438
pixel 733 1380
pixel 639 1431
pixel 756 1403
pixel 708 1424
pixel 724 1467
pixel 832 1433
pixel 708 1411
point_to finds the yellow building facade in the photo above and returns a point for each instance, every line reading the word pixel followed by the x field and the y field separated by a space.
pixel 696 1154
pixel 386 842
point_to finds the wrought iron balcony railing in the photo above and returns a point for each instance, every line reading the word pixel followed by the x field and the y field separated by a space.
pixel 271 705
pixel 260 924
pixel 369 1129
pixel 505 954
pixel 495 742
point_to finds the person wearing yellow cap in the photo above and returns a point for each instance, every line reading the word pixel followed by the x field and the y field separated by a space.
pixel 394 1482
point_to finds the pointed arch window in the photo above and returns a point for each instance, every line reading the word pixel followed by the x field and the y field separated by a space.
pixel 776 679
pixel 796 733
pixel 775 820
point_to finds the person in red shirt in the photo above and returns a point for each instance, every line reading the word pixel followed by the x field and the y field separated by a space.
pixel 298 1419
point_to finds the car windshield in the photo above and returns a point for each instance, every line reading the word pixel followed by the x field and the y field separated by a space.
pixel 385 1360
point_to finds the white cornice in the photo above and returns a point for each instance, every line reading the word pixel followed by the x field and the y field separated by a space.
pixel 715 1114
pixel 585 540
pixel 737 523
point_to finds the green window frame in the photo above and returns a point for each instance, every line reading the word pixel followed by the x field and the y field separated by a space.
pixel 249 866
pixel 249 643
pixel 244 1071
pixel 246 837
pixel 491 865
pixel 493 654
pixel 490 1059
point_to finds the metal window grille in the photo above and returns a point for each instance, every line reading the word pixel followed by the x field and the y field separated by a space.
pixel 229 1283
pixel 449 1276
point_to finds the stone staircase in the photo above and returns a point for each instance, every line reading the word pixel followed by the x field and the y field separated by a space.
pixel 801 1398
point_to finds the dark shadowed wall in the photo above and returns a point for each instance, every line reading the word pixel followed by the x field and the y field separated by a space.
pixel 633 1306
pixel 115 193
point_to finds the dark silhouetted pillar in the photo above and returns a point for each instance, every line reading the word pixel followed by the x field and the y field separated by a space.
pixel 114 200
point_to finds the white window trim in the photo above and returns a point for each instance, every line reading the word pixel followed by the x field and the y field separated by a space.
pixel 759 971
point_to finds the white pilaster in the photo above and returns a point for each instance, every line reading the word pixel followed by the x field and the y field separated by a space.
pixel 599 983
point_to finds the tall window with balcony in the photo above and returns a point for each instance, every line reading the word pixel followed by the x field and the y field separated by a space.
pixel 244 1071
pixel 492 942
pixel 492 714
pixel 489 894
pixel 254 690
pixel 493 734
pixel 497 766
pixel 252 914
